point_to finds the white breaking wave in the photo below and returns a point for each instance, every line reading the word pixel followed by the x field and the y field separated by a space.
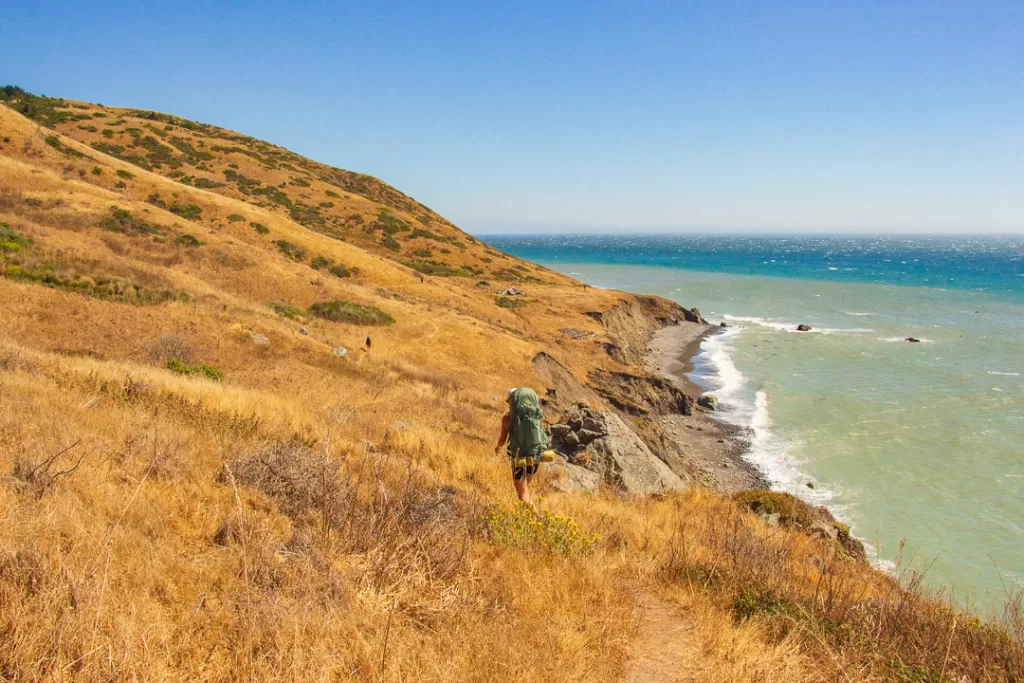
pixel 859 315
pixel 1005 374
pixel 791 327
pixel 738 405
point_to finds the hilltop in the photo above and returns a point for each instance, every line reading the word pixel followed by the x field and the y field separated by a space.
pixel 248 404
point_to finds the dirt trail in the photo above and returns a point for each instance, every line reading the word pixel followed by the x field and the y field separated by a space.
pixel 664 651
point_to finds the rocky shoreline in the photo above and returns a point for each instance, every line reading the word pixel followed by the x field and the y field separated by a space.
pixel 642 427
pixel 710 449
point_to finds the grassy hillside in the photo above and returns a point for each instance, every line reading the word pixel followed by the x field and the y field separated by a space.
pixel 205 474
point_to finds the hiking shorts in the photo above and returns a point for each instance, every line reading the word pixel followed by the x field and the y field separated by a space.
pixel 523 471
pixel 520 473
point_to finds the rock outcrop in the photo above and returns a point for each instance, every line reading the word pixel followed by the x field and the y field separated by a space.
pixel 632 322
pixel 803 328
pixel 708 401
pixel 640 395
pixel 786 510
pixel 602 443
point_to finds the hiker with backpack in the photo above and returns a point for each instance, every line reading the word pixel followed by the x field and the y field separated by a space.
pixel 523 429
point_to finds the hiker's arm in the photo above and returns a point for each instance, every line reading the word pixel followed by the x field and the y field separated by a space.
pixel 503 437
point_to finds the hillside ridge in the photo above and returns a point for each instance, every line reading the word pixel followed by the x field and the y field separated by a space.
pixel 246 435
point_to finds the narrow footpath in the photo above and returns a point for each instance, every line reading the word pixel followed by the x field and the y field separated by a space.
pixel 664 651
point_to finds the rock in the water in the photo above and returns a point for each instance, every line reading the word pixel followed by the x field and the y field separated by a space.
pixel 708 401
pixel 810 485
pixel 722 324
pixel 803 328
pixel 913 340
pixel 341 352
pixel 260 340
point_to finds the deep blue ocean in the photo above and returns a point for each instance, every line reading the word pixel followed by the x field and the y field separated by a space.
pixel 921 443
pixel 991 264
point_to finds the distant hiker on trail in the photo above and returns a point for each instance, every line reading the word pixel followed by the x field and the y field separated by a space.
pixel 522 427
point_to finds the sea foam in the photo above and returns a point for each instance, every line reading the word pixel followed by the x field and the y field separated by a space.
pixel 749 408
pixel 791 327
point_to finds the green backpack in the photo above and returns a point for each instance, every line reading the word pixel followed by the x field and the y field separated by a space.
pixel 526 435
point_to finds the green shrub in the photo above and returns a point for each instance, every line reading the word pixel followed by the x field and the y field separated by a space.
pixel 348 312
pixel 518 526
pixel 189 212
pixel 124 174
pixel 436 268
pixel 319 262
pixel 423 253
pixel 752 603
pixel 236 218
pixel 290 250
pixel 48 111
pixel 390 244
pixel 207 184
pixel 122 221
pixel 107 133
pixel 195 369
pixel 96 170
pixel 54 141
pixel 260 228
pixel 340 271
pixel 284 310
pixel 11 243
pixel 510 302
pixel 187 240
pixel 120 185
pixel 330 193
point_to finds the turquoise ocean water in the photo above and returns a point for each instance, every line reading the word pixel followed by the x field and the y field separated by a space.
pixel 921 443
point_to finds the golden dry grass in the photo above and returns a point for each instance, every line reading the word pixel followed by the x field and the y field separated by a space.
pixel 316 517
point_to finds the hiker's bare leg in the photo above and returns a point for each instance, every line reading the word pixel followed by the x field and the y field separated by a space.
pixel 523 490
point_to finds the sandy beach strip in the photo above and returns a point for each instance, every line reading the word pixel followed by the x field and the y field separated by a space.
pixel 710 450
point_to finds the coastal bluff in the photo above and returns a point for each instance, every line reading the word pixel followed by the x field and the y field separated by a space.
pixel 248 409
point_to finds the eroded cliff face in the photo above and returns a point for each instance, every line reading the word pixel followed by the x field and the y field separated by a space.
pixel 631 324
pixel 638 453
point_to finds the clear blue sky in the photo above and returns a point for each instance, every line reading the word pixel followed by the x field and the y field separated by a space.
pixel 822 115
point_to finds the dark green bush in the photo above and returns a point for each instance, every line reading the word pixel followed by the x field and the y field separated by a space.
pixel 195 369
pixel 187 240
pixel 510 302
pixel 124 174
pixel 340 271
pixel 122 221
pixel 236 218
pixel 260 228
pixel 290 250
pixel 348 312
pixel 287 311
pixel 390 244
pixel 189 212
pixel 319 262
pixel 436 268
pixel 206 183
